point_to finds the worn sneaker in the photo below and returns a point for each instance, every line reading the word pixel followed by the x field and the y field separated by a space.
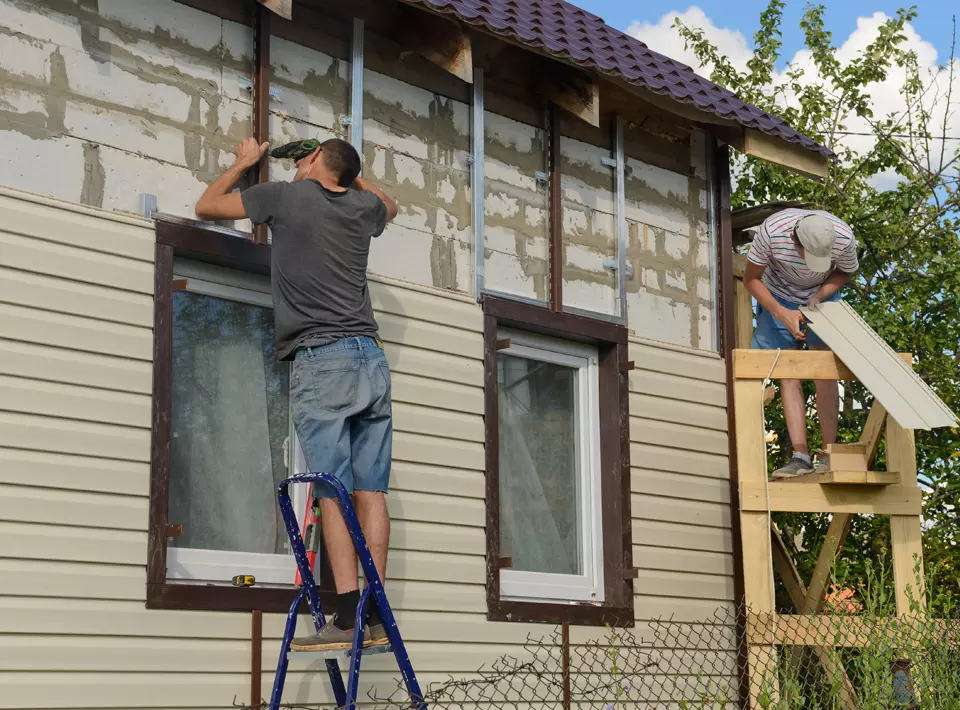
pixel 796 467
pixel 328 638
pixel 823 464
pixel 378 636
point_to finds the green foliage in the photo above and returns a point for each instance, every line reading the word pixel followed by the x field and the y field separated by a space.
pixel 908 287
pixel 930 639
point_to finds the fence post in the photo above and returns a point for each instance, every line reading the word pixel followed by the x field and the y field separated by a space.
pixel 565 663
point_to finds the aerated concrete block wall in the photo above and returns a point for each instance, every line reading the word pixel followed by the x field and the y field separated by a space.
pixel 104 100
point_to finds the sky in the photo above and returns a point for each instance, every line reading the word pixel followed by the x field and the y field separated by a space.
pixel 933 21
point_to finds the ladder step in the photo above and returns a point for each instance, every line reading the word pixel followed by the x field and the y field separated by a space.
pixel 340 654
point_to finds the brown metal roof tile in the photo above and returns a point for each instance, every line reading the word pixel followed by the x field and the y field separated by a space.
pixel 567 31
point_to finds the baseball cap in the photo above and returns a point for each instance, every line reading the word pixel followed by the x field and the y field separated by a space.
pixel 297 150
pixel 817 235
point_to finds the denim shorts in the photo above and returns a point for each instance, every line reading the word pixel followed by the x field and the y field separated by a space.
pixel 771 334
pixel 342 412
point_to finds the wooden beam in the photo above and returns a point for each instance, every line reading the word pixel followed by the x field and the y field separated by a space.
pixel 847 457
pixel 284 8
pixel 814 498
pixel 788 155
pixel 905 536
pixel 742 314
pixel 847 478
pixel 756 546
pixel 261 102
pixel 832 665
pixel 793 365
pixel 783 564
pixel 739 265
pixel 845 631
pixel 575 91
pixel 822 574
pixel 872 430
pixel 437 39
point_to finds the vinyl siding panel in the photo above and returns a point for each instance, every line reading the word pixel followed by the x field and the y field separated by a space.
pixel 75 385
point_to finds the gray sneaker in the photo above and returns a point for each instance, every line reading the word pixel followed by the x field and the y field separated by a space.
pixel 328 638
pixel 378 636
pixel 796 467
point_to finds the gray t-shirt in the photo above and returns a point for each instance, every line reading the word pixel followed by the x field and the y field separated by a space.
pixel 321 241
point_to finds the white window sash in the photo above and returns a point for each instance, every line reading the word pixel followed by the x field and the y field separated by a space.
pixel 222 565
pixel 537 586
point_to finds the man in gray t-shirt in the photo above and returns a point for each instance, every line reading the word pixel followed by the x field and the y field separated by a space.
pixel 322 224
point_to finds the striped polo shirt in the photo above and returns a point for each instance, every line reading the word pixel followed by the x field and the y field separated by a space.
pixel 786 273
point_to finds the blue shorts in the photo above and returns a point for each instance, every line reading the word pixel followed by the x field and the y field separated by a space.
pixel 343 414
pixel 771 334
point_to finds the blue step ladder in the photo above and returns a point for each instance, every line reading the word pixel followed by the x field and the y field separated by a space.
pixel 346 697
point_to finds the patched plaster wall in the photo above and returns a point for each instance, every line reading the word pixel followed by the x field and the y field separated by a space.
pixel 103 100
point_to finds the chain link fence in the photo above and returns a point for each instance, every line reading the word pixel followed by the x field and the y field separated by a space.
pixel 841 662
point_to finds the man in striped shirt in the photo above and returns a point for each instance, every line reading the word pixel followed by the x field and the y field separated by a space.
pixel 799 258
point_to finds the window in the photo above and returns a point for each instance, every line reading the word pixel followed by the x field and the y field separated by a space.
pixel 549 469
pixel 231 430
pixel 222 438
pixel 557 451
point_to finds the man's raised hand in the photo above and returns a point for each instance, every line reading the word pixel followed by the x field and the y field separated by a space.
pixel 249 153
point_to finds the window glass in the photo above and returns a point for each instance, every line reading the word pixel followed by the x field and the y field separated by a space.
pixel 230 424
pixel 539 466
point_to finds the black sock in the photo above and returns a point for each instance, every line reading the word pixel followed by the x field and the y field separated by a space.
pixel 373 616
pixel 347 610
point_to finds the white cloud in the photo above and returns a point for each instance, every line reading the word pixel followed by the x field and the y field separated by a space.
pixel 662 37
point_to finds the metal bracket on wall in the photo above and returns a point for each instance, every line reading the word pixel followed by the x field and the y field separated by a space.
pixel 355 121
pixel 275 91
pixel 614 162
pixel 614 265
pixel 148 205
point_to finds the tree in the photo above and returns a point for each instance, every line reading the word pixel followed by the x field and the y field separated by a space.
pixel 908 286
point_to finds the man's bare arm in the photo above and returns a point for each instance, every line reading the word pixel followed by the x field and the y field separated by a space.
pixel 837 280
pixel 392 209
pixel 218 201
pixel 754 284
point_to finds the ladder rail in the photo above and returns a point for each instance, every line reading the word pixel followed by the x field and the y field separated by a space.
pixel 346 698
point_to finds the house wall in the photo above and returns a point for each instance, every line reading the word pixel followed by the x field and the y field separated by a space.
pixel 76 314
pixel 103 100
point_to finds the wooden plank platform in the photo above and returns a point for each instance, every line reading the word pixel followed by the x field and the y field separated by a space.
pixel 807 497
pixel 852 478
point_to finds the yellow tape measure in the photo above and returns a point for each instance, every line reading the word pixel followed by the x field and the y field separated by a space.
pixel 244 580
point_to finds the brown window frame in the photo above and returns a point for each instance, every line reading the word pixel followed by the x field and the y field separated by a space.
pixel 242 254
pixel 611 342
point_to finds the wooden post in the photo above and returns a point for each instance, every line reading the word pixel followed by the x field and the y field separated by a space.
pixel 755 528
pixel 905 537
pixel 801 598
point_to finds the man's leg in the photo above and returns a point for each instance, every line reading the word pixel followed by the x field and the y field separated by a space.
pixel 326 384
pixel 340 551
pixel 771 334
pixel 372 511
pixel 795 414
pixel 371 439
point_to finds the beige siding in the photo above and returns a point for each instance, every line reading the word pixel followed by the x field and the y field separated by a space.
pixel 76 313
pixel 75 381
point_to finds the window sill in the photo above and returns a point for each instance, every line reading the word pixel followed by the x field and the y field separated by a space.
pixel 545 613
pixel 224 596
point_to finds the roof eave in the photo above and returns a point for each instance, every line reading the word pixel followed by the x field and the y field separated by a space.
pixel 806 162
